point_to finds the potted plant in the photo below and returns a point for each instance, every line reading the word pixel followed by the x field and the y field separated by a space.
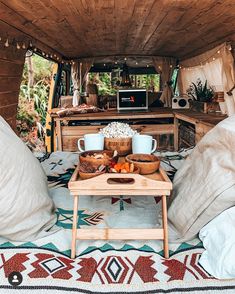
pixel 202 96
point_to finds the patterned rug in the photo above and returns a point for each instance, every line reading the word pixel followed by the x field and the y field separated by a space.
pixel 104 267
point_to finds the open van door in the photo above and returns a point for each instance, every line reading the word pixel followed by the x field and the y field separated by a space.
pixel 49 128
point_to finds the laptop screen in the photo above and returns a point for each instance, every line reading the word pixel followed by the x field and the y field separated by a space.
pixel 132 99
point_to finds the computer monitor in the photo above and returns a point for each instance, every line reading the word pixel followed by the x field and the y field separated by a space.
pixel 132 99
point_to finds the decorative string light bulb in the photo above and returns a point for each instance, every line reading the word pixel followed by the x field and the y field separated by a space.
pixel 17 46
pixel 23 46
pixel 6 43
pixel 30 44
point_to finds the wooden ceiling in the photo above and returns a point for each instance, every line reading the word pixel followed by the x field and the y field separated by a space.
pixel 84 28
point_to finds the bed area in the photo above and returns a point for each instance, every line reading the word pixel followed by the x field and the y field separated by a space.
pixel 45 263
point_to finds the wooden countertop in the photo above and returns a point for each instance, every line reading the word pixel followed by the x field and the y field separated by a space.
pixel 114 114
pixel 187 115
pixel 194 117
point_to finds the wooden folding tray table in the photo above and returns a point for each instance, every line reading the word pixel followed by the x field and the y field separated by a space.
pixel 156 184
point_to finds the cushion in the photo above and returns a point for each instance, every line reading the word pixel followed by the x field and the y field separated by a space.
pixel 205 185
pixel 219 241
pixel 27 211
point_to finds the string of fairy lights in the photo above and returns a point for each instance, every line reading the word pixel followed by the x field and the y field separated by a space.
pixel 209 59
pixel 28 45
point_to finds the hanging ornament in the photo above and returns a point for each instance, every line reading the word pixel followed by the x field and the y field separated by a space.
pixel 6 43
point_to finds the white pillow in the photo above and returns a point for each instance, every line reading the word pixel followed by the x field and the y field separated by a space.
pixel 27 211
pixel 205 185
pixel 218 238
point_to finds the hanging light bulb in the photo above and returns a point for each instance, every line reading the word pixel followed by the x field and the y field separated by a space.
pixel 35 49
pixel 0 39
pixel 30 44
pixel 23 46
pixel 125 58
pixel 6 43
pixel 43 53
pixel 17 46
pixel 218 51
pixel 147 65
pixel 171 66
pixel 213 58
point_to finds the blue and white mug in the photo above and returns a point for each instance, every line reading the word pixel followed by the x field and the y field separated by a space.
pixel 144 144
pixel 92 142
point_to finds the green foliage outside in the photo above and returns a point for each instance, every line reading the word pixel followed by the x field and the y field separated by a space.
pixel 107 85
pixel 33 98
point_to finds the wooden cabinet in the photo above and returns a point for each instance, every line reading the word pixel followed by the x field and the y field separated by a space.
pixel 191 126
pixel 68 136
pixel 201 130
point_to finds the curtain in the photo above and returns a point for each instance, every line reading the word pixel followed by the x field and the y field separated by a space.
pixel 76 82
pixel 80 70
pixel 217 67
pixel 165 66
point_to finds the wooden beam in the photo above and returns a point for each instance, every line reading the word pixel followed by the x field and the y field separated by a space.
pixel 119 234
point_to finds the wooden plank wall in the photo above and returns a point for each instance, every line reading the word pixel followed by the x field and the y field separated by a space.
pixel 11 69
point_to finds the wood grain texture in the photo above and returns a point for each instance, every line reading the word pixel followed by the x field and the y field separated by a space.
pixel 11 68
pixel 79 28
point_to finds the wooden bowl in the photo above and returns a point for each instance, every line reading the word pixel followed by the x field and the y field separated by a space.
pixel 95 162
pixel 147 163
pixel 85 176
pixel 122 145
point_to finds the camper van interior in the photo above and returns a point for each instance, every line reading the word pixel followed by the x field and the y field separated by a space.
pixel 134 191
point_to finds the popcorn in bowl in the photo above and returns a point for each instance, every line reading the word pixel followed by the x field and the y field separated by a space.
pixel 118 130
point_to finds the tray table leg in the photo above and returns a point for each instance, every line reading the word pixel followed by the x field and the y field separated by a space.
pixel 74 231
pixel 165 229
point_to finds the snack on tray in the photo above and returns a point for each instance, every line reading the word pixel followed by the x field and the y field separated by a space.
pixel 123 168
pixel 96 158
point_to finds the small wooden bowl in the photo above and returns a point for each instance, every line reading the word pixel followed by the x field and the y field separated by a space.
pixel 95 162
pixel 151 165
pixel 85 176
pixel 122 145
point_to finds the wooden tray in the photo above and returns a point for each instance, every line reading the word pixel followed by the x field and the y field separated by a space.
pixel 154 184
